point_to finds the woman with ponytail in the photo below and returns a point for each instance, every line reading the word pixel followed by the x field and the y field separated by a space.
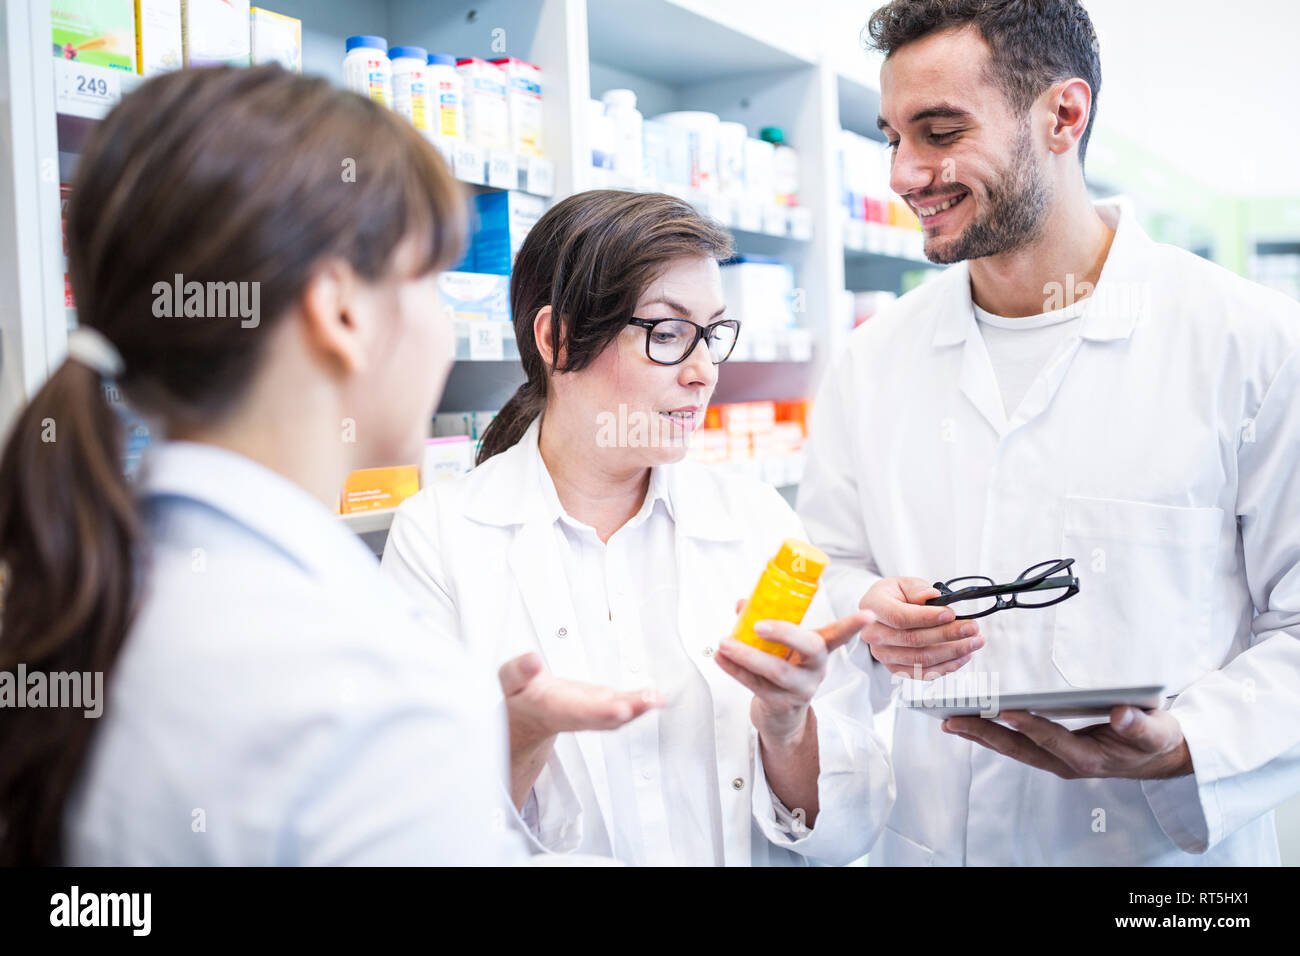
pixel 600 572
pixel 268 698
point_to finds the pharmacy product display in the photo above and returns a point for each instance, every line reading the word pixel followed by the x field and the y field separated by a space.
pixel 744 182
pixel 762 440
pixel 760 291
pixel 485 116
pixel 877 220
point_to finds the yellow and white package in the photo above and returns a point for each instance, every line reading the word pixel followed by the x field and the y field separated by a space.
pixel 275 38
pixel 158 47
pixel 369 489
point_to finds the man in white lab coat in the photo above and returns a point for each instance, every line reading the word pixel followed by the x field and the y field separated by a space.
pixel 1069 389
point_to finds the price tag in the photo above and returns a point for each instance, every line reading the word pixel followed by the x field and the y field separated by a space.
pixel 502 170
pixel 84 90
pixel 800 223
pixel 485 341
pixel 775 220
pixel 539 176
pixel 468 163
pixel 446 147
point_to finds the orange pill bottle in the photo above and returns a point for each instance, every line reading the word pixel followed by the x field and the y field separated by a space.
pixel 783 592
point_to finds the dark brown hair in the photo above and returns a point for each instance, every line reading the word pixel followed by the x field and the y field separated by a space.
pixel 1032 43
pixel 590 257
pixel 219 175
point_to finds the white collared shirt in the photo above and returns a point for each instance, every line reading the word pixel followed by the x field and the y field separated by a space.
pixel 276 702
pixel 490 559
pixel 662 770
pixel 1158 448
pixel 1019 348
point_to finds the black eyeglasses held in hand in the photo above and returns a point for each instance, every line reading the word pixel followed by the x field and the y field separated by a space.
pixel 670 341
pixel 1040 586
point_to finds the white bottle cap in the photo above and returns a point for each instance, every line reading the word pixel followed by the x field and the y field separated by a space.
pixel 620 99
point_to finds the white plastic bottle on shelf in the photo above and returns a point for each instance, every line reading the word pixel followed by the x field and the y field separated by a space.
pixel 366 69
pixel 523 104
pixel 785 166
pixel 760 172
pixel 487 121
pixel 410 66
pixel 446 90
pixel 629 155
pixel 703 130
pixel 731 158
pixel 601 131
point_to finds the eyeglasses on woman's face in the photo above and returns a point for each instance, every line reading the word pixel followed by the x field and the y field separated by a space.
pixel 671 341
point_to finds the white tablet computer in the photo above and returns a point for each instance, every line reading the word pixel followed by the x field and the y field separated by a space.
pixel 1049 703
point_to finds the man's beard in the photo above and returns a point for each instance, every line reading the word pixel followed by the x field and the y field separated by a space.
pixel 1016 202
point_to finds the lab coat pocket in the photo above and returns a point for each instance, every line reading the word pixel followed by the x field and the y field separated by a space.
pixel 1142 614
pixel 898 850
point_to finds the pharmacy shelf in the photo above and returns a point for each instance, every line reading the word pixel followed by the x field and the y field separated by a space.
pixel 676 54
pixel 366 522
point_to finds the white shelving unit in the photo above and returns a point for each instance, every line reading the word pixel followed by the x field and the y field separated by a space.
pixel 676 54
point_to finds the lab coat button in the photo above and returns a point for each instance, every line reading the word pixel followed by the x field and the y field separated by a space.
pixel 738 783
pixel 562 632
pixel 708 652
pixel 634 667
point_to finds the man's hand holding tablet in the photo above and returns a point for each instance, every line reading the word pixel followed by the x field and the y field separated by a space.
pixel 1144 745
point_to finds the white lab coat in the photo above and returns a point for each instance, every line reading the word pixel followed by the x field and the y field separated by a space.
pixel 480 554
pixel 277 701
pixel 1160 448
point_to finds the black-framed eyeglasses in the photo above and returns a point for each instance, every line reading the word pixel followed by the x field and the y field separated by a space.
pixel 1040 586
pixel 670 341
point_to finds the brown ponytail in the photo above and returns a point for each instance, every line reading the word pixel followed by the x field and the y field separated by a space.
pixel 590 257
pixel 68 539
pixel 219 175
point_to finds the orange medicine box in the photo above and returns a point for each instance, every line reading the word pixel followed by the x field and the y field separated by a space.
pixel 372 488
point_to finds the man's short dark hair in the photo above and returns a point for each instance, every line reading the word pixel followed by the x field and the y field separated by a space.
pixel 1032 43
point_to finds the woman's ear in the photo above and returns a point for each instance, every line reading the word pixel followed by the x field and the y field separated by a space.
pixel 334 325
pixel 542 335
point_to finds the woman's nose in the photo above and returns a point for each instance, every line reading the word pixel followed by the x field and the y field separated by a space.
pixel 698 367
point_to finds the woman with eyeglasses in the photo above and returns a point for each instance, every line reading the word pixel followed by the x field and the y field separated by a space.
pixel 601 573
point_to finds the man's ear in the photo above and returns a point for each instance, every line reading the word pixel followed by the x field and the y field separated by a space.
pixel 334 325
pixel 1070 102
